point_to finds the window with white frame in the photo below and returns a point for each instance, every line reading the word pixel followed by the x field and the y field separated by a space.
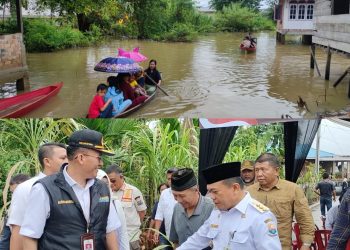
pixel 293 11
pixel 310 12
pixel 301 12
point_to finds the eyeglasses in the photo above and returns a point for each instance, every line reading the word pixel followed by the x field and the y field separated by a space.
pixel 98 157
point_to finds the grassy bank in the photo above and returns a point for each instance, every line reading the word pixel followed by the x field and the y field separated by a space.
pixel 178 23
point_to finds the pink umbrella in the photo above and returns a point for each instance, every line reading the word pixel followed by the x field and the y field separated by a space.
pixel 134 54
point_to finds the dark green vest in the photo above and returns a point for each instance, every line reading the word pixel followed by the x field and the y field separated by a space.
pixel 67 222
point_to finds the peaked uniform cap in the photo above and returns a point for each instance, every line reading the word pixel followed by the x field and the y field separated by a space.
pixel 222 171
pixel 247 165
pixel 91 139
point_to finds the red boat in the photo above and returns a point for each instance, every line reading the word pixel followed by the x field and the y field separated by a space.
pixel 19 105
pixel 250 49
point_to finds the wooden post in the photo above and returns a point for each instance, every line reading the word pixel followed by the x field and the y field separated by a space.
pixel 341 78
pixel 328 64
pixel 312 61
pixel 19 16
pixel 283 39
pixel 20 84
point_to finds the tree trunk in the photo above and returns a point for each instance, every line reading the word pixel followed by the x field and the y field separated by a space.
pixel 83 23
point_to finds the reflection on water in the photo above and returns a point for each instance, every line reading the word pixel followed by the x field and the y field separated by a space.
pixel 207 78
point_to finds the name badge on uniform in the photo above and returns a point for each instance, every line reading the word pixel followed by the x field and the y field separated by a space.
pixel 87 241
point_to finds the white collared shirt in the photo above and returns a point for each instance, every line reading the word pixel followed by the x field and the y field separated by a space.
pixel 39 208
pixel 132 202
pixel 123 239
pixel 19 201
pixel 165 209
pixel 246 226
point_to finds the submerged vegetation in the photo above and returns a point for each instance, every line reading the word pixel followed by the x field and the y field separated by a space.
pixel 81 23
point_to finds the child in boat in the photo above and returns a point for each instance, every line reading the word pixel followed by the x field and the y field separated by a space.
pixel 119 103
pixel 98 107
pixel 137 88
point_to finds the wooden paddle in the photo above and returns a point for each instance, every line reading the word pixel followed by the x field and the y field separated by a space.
pixel 156 84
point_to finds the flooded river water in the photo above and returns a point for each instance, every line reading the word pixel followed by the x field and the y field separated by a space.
pixel 207 78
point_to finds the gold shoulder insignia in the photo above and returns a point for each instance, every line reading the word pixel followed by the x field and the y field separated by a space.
pixel 259 206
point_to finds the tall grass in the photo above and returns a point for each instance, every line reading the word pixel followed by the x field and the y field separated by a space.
pixel 5 192
pixel 153 152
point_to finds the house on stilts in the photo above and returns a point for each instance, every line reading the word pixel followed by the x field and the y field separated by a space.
pixel 294 17
pixel 332 32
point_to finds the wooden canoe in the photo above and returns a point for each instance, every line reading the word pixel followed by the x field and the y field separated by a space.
pixel 151 95
pixel 19 105
pixel 250 49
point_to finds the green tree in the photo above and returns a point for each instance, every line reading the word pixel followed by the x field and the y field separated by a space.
pixel 250 142
pixel 220 4
pixel 86 12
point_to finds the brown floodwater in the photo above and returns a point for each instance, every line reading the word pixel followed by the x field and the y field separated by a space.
pixel 207 78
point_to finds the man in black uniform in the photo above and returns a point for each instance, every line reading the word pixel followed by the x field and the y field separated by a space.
pixel 72 209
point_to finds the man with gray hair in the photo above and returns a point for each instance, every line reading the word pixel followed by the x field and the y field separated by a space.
pixel 132 201
pixel 284 198
pixel 192 209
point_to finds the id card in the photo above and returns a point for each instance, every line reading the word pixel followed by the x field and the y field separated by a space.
pixel 87 241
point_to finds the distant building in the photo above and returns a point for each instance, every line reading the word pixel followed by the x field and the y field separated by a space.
pixel 331 163
pixel 30 11
pixel 205 9
pixel 294 17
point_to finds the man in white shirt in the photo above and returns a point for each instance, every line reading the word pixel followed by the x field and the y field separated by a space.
pixel 132 201
pixel 73 210
pixel 123 240
pixel 239 222
pixel 165 208
pixel 51 157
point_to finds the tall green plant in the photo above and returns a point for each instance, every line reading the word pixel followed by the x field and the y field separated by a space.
pixel 26 135
pixel 250 142
pixel 238 18
pixel 154 151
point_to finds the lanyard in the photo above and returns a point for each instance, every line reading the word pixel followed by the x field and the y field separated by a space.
pixel 88 222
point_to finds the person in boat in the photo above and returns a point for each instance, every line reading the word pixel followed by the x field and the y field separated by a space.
pixel 140 78
pixel 119 103
pixel 122 82
pixel 98 107
pixel 153 73
pixel 247 43
pixel 137 88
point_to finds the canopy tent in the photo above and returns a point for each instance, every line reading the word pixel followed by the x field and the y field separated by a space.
pixel 334 137
pixel 216 136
